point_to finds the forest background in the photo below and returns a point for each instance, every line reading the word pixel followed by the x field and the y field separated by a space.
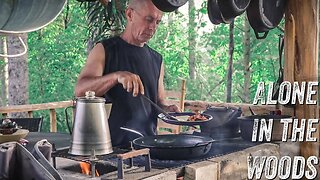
pixel 221 63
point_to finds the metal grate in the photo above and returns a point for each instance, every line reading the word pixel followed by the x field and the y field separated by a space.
pixel 116 159
pixel 63 153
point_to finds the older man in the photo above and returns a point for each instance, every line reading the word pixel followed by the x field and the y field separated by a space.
pixel 121 68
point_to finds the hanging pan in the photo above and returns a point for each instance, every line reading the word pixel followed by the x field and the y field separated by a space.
pixel 214 13
pixel 233 8
pixel 168 5
pixel 264 15
pixel 22 16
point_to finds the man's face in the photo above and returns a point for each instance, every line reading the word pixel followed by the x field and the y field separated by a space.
pixel 145 22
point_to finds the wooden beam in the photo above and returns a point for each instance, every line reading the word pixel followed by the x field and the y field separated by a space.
pixel 304 51
pixel 35 107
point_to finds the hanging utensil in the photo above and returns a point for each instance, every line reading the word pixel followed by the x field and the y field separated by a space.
pixel 22 16
pixel 214 13
pixel 169 5
pixel 232 8
pixel 264 15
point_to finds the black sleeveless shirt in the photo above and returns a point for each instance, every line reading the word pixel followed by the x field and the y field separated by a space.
pixel 129 111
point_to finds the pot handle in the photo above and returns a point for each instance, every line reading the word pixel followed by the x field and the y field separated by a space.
pixel 19 54
pixel 67 119
pixel 66 114
pixel 206 144
pixel 132 130
pixel 203 143
pixel 261 37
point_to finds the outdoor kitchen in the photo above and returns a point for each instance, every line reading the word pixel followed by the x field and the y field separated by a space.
pixel 275 137
pixel 225 157
pixel 224 160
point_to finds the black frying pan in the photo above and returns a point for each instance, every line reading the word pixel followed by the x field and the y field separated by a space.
pixel 232 8
pixel 264 15
pixel 214 13
pixel 168 5
pixel 173 146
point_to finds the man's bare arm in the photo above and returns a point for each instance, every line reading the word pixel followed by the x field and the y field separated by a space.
pixel 91 79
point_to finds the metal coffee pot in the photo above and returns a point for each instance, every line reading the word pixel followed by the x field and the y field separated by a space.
pixel 90 133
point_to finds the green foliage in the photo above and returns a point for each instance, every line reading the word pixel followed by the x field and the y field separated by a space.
pixel 105 21
pixel 56 56
pixel 57 53
pixel 173 46
pixel 212 56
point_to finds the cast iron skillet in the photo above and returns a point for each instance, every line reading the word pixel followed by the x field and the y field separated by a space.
pixel 173 146
pixel 168 5
pixel 264 15
pixel 232 8
pixel 214 13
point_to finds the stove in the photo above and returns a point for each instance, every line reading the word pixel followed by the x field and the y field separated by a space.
pixel 119 162
pixel 141 158
pixel 116 159
pixel 219 148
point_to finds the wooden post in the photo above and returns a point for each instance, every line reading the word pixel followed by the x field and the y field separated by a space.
pixel 53 120
pixel 183 94
pixel 30 114
pixel 302 50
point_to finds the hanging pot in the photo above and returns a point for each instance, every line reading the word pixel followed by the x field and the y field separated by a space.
pixel 232 8
pixel 264 15
pixel 214 13
pixel 168 5
pixel 21 16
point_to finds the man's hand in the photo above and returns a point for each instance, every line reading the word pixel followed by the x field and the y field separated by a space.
pixel 171 108
pixel 131 82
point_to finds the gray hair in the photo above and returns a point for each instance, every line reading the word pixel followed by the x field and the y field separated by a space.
pixel 137 4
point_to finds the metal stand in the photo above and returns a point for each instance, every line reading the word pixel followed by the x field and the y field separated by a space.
pixel 129 155
pixel 121 155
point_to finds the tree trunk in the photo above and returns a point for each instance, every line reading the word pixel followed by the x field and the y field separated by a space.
pixel 192 40
pixel 246 62
pixel 18 74
pixel 3 73
pixel 230 65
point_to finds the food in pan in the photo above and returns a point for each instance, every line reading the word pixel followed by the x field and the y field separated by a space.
pixel 197 117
